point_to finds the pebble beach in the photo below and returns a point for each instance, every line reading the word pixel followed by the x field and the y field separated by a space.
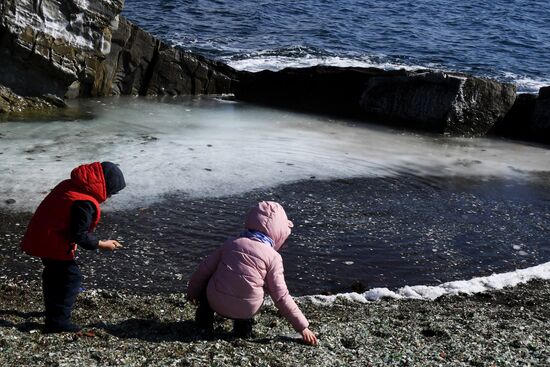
pixel 502 328
pixel 407 141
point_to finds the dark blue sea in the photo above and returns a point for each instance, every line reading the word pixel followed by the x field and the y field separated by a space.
pixel 505 40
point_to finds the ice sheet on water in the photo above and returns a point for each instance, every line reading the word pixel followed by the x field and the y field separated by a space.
pixel 205 147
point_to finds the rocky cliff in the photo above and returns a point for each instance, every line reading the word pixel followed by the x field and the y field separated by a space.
pixel 140 64
pixel 81 48
pixel 45 45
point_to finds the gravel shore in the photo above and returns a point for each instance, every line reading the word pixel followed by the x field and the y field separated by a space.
pixel 502 328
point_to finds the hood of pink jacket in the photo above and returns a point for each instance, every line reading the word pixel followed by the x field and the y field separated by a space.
pixel 270 218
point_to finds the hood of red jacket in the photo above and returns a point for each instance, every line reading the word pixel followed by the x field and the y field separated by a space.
pixel 269 218
pixel 90 179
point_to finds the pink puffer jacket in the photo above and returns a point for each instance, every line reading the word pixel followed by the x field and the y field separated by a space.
pixel 237 272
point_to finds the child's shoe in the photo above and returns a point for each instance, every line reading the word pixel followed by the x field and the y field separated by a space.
pixel 243 328
pixel 68 327
pixel 204 318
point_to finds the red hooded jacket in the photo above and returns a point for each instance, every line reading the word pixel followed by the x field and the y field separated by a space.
pixel 48 234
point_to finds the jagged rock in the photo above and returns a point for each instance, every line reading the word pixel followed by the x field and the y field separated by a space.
pixel 529 118
pixel 54 100
pixel 123 71
pixel 444 103
pixel 11 103
pixel 141 64
pixel 77 49
pixel 439 102
pixel 46 45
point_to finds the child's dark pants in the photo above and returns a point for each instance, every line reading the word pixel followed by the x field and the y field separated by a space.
pixel 61 283
pixel 204 317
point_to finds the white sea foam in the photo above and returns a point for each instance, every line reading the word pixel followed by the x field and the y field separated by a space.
pixel 527 84
pixel 423 292
pixel 206 147
pixel 261 61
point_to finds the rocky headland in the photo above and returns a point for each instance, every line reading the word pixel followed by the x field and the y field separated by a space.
pixel 76 49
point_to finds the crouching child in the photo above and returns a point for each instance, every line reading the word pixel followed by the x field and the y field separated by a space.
pixel 231 281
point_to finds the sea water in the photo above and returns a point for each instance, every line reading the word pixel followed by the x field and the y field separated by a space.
pixel 372 206
pixel 505 40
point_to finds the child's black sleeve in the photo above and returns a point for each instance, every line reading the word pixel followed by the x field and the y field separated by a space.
pixel 82 215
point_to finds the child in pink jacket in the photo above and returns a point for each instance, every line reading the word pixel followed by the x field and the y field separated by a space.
pixel 231 281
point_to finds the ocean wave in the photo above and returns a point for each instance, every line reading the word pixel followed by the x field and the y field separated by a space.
pixel 526 84
pixel 301 56
pixel 424 292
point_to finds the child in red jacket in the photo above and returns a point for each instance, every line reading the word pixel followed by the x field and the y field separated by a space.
pixel 66 218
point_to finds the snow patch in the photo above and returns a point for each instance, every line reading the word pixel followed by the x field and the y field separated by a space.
pixel 424 292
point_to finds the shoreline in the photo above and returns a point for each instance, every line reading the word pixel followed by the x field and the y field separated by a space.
pixel 159 256
pixel 506 327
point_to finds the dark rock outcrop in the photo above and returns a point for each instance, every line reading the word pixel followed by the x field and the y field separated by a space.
pixel 529 118
pixel 46 45
pixel 81 49
pixel 12 103
pixel 444 103
pixel 518 120
pixel 541 114
pixel 140 64
pixel 324 89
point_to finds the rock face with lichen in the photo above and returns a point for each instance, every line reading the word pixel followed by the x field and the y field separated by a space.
pixel 84 48
pixel 46 45
pixel 11 103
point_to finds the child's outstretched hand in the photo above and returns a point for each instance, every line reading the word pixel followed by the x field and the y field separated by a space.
pixel 309 337
pixel 109 245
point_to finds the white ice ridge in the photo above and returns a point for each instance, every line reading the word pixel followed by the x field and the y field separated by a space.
pixel 424 292
pixel 205 147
